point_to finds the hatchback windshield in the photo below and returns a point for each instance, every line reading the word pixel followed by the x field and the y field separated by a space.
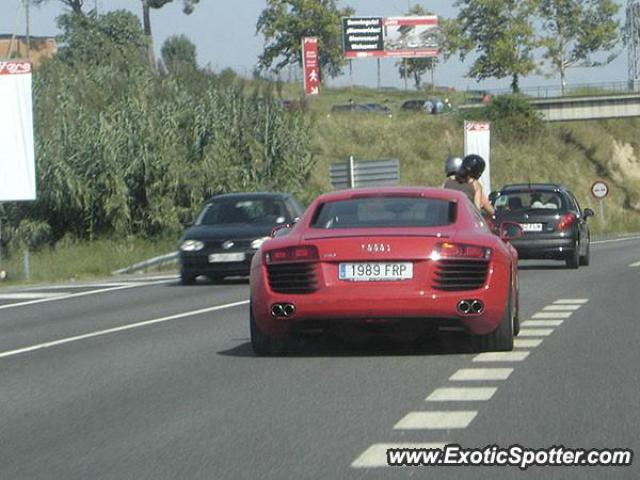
pixel 252 211
pixel 383 212
pixel 519 201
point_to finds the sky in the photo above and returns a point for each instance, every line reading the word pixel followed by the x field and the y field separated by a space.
pixel 224 33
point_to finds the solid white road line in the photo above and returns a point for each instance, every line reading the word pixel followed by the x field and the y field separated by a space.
pixel 552 315
pixel 527 343
pixel 535 332
pixel 542 323
pixel 80 285
pixel 441 420
pixel 476 374
pixel 376 454
pixel 27 295
pixel 465 394
pixel 81 294
pixel 560 308
pixel 501 356
pixel 614 240
pixel 571 301
pixel 636 264
pixel 121 328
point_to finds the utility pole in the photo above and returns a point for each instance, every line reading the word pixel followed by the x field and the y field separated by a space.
pixel 28 15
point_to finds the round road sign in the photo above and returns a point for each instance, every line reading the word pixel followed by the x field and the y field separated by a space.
pixel 600 189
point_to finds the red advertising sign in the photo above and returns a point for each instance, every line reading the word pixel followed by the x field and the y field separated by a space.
pixel 310 65
pixel 15 67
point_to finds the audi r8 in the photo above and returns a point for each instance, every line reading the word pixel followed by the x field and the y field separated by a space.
pixel 390 259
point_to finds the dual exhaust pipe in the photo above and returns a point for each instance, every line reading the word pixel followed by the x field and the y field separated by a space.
pixel 283 309
pixel 470 307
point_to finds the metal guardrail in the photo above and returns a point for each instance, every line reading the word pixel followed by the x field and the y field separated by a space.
pixel 152 262
pixel 365 173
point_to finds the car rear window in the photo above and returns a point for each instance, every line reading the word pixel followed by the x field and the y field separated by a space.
pixel 383 212
pixel 535 200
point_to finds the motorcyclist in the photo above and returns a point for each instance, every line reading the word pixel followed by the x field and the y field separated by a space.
pixel 451 166
pixel 472 167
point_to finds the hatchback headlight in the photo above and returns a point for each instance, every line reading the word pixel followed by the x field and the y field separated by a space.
pixel 257 243
pixel 191 245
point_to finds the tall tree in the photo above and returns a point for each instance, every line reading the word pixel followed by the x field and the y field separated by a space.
pixel 285 22
pixel 179 54
pixel 416 68
pixel 147 5
pixel 501 33
pixel 74 5
pixel 573 30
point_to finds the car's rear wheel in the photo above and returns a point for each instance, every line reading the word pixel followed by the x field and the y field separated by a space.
pixel 215 277
pixel 573 260
pixel 501 339
pixel 586 258
pixel 263 344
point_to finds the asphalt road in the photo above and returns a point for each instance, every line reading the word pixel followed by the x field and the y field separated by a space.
pixel 146 379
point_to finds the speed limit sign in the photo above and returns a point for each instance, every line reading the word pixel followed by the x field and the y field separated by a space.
pixel 600 189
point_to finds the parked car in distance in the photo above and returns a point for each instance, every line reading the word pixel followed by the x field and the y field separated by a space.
pixel 414 105
pixel 554 224
pixel 229 230
pixel 362 108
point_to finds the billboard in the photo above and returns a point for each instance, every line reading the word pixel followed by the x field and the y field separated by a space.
pixel 477 139
pixel 390 36
pixel 310 66
pixel 17 161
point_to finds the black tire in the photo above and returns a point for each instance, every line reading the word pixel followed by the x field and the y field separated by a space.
pixel 586 258
pixel 573 260
pixel 187 279
pixel 216 278
pixel 501 339
pixel 516 316
pixel 262 344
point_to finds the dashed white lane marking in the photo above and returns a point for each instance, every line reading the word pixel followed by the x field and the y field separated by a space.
pixel 442 420
pixel 559 308
pixel 478 374
pixel 27 295
pixel 552 315
pixel 527 343
pixel 376 454
pixel 571 301
pixel 636 264
pixel 501 357
pixel 543 323
pixel 535 332
pixel 458 394
pixel 120 329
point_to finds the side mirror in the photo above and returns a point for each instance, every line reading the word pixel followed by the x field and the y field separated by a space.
pixel 280 230
pixel 587 212
pixel 492 197
pixel 510 231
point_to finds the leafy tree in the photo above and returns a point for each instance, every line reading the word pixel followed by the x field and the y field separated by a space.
pixel 147 5
pixel 284 23
pixel 74 5
pixel 179 54
pixel 96 39
pixel 501 33
pixel 416 68
pixel 576 29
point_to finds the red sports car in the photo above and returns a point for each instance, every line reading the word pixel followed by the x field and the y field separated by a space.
pixel 386 259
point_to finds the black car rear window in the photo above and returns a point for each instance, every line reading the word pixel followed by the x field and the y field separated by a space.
pixel 383 212
pixel 530 200
pixel 246 211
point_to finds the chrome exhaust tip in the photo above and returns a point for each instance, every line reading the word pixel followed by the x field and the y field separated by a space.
pixel 277 310
pixel 288 309
pixel 477 306
pixel 464 306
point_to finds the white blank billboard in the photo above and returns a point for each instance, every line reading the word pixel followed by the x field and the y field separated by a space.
pixel 17 161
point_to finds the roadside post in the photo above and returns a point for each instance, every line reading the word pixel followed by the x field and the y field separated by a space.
pixel 600 190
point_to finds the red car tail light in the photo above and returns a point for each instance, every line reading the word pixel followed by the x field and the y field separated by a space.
pixel 566 221
pixel 306 253
pixel 448 250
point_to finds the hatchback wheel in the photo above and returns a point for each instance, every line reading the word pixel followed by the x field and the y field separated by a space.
pixel 573 260
pixel 586 258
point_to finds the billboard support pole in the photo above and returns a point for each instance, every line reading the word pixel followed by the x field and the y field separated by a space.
pixel 351 73
pixel 378 59
pixel 404 69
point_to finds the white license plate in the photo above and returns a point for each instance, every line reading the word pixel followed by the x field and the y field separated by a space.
pixel 531 227
pixel 226 257
pixel 375 271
